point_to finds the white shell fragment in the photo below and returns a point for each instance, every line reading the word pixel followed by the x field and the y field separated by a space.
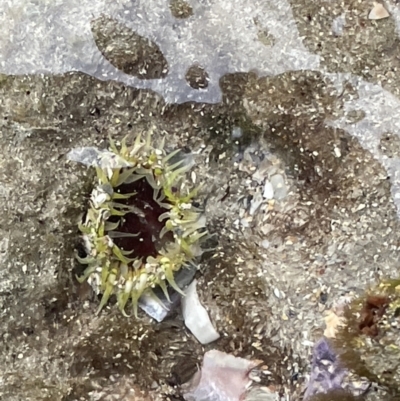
pixel 196 317
pixel 378 12
pixel 279 186
pixel 223 377
pixel 268 190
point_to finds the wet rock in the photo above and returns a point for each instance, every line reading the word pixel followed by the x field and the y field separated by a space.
pixel 236 299
pixel 339 395
pixel 389 144
pixel 197 77
pixel 237 282
pixel 279 186
pixel 128 51
pixel 349 50
pixel 118 388
pixel 51 336
pixel 265 104
pixel 180 8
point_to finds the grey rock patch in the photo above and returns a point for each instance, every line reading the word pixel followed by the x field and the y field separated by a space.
pixel 128 51
pixel 279 186
pixel 197 77
pixel 180 8
pixel 338 24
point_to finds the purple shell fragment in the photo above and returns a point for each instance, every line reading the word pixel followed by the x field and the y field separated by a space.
pixel 328 373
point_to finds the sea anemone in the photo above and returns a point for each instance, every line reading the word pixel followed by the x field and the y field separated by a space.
pixel 142 225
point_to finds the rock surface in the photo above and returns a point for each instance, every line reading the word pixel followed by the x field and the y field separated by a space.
pixel 294 90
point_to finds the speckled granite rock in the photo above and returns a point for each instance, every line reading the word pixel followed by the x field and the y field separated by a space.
pixel 272 272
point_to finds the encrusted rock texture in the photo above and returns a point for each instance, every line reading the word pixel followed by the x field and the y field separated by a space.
pixel 299 166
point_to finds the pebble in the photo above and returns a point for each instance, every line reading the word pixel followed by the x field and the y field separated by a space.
pixel 268 192
pixel 337 152
pixel 255 203
pixel 279 186
pixel 237 132
pixel 378 12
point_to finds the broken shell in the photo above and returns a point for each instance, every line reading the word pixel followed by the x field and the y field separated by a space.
pixel 196 317
pixel 268 192
pixel 222 377
pixel 378 12
pixel 279 186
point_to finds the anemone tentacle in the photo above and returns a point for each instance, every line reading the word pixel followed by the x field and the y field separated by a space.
pixel 141 227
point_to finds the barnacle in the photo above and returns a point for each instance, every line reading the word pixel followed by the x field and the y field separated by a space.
pixel 369 340
pixel 142 225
